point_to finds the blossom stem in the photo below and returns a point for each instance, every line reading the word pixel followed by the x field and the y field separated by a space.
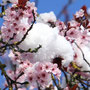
pixel 82 54
pixel 59 88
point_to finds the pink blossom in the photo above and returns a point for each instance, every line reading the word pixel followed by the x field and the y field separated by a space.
pixel 17 22
pixel 73 24
pixel 48 66
pixel 39 67
pixel 22 89
pixel 14 74
pixel 23 65
pixel 14 1
pixel 27 56
pixel 80 13
pixel 60 25
pixel 84 37
pixel 15 57
pixel 66 88
pixel 73 33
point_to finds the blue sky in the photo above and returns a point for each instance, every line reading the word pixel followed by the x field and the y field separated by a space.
pixel 56 6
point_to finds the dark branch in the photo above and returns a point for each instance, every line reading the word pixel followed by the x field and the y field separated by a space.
pixel 82 54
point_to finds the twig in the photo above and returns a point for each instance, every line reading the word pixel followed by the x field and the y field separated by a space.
pixel 5 88
pixel 13 45
pixel 27 30
pixel 6 76
pixel 64 11
pixel 58 87
pixel 29 50
pixel 82 54
pixel 65 75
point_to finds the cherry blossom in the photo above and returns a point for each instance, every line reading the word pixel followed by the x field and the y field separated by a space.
pixel 65 48
pixel 80 13
pixel 12 1
pixel 14 19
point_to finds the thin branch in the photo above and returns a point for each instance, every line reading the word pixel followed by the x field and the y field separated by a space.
pixel 6 76
pixel 82 54
pixel 58 87
pixel 20 75
pixel 82 82
pixel 5 88
pixel 29 50
pixel 13 45
pixel 65 75
pixel 27 30
pixel 64 9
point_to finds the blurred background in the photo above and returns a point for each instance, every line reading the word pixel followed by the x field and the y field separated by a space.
pixel 61 7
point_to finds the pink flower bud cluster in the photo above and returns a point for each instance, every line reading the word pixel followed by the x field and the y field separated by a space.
pixel 78 31
pixel 17 22
pixel 65 47
pixel 38 73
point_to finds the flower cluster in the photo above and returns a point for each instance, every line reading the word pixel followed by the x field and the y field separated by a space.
pixel 17 22
pixel 10 1
pixel 36 74
pixel 40 74
pixel 63 48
